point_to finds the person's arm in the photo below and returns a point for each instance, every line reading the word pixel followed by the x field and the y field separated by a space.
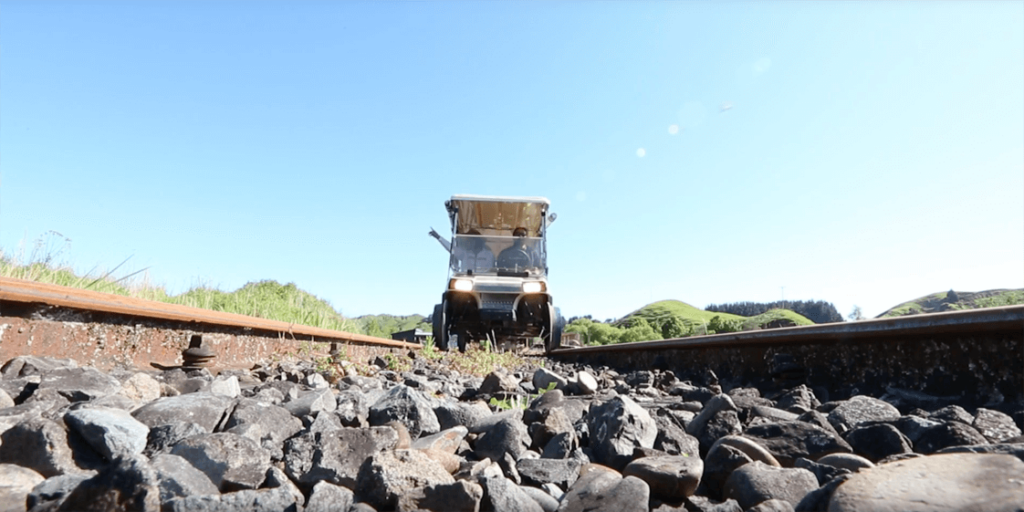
pixel 441 240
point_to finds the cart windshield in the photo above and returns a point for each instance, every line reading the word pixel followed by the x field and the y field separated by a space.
pixel 488 254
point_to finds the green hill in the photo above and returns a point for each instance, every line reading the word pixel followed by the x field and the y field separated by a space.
pixel 676 319
pixel 955 301
pixel 658 313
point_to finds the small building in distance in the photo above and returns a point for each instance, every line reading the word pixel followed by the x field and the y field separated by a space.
pixel 411 336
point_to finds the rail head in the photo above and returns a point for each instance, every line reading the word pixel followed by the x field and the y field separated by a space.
pixel 18 290
pixel 1008 319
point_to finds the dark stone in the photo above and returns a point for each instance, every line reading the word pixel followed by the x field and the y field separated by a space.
pixel 790 440
pixel 127 484
pixel 876 442
pixel 953 433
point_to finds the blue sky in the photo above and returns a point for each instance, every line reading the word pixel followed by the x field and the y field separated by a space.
pixel 873 151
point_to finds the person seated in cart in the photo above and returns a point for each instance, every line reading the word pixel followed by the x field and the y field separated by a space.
pixel 470 252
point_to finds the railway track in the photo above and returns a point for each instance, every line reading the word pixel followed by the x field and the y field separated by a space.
pixel 976 355
pixel 106 330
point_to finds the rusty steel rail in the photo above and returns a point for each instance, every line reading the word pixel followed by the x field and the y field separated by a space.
pixel 1009 319
pixel 17 290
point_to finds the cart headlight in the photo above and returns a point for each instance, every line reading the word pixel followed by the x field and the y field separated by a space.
pixel 463 285
pixel 532 287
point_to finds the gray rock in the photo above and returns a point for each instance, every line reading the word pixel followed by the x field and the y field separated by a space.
pixel 461 496
pixel 772 505
pixel 407 406
pixel 275 423
pixel 817 500
pixel 721 461
pixel 502 494
pixel 499 382
pixel 790 440
pixel 353 409
pixel 547 502
pixel 24 366
pixel 574 409
pixel 952 433
pixel 225 386
pixel 312 403
pixel 561 446
pixel 1014 449
pixel 952 413
pixel 670 477
pixel 232 462
pixel 48 494
pixel 38 444
pixel 608 491
pixel 163 437
pixel 386 476
pixel 714 405
pixel 507 436
pixel 914 427
pixel 263 500
pixel 847 461
pixel 722 424
pixel 324 423
pixel 994 425
pixel 756 482
pixel 878 441
pixel 703 504
pixel 277 478
pixel 79 384
pixel 905 399
pixel 141 388
pixel 16 483
pixel 336 457
pixel 179 478
pixel 5 400
pixel 672 437
pixel 487 423
pixel 537 472
pixel 454 414
pixel 542 378
pixel 11 416
pixel 112 433
pixel 327 497
pixel 583 384
pixel 127 484
pixel 954 482
pixel 553 422
pixel 861 409
pixel 771 414
pixel 825 472
pixel 616 427
pixel 205 409
pixel 752 449
pixel 447 440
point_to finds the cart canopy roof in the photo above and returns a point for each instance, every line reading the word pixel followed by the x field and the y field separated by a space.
pixel 496 215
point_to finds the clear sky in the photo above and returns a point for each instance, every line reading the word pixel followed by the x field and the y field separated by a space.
pixel 862 153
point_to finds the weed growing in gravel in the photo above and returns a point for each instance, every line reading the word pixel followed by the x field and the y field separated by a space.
pixel 519 402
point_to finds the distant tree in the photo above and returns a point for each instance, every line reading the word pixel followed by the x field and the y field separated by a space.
pixel 952 296
pixel 639 330
pixel 817 311
pixel 721 326
pixel 855 314
pixel 674 327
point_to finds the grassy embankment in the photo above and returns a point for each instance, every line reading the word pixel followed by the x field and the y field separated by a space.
pixel 956 301
pixel 262 299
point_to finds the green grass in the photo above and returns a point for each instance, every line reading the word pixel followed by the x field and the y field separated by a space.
pixel 268 299
pixel 1007 298
pixel 775 314
pixel 663 309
